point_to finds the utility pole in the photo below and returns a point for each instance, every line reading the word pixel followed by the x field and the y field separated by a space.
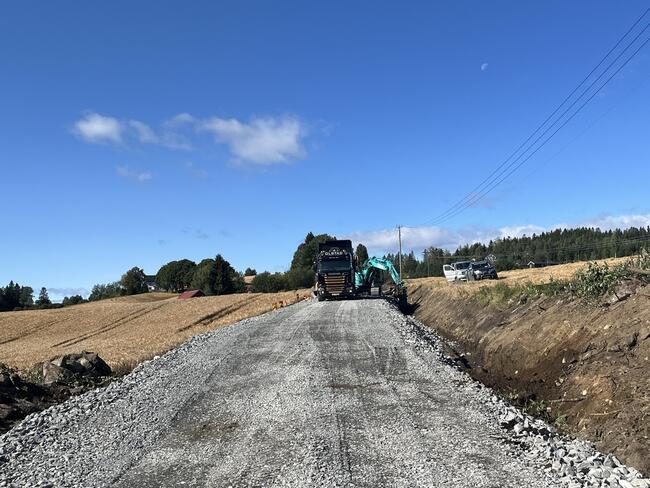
pixel 399 237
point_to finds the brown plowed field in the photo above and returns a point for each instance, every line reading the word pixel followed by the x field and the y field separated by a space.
pixel 127 330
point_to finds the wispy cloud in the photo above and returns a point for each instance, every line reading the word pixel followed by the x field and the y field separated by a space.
pixel 145 134
pixel 167 137
pixel 180 120
pixel 418 238
pixel 484 66
pixel 96 128
pixel 263 141
pixel 139 176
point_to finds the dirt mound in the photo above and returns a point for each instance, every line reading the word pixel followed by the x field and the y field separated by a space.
pixel 584 367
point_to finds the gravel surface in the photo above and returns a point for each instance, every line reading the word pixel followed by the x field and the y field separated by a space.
pixel 347 393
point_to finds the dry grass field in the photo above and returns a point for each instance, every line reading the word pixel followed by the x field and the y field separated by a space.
pixel 514 277
pixel 125 331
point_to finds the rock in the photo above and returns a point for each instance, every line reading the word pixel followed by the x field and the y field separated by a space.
pixel 640 483
pixel 595 473
pixel 621 292
pixel 63 369
pixel 518 428
pixel 53 373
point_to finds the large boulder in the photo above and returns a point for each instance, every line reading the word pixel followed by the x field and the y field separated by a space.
pixel 8 377
pixel 69 367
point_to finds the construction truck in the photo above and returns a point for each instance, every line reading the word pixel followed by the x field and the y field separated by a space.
pixel 337 276
pixel 369 280
pixel 334 270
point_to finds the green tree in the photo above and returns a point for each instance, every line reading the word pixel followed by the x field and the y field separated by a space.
pixel 299 278
pixel 26 296
pixel 176 276
pixel 108 290
pixel 305 255
pixel 361 253
pixel 204 276
pixel 250 272
pixel 11 296
pixel 73 300
pixel 43 298
pixel 134 281
pixel 217 277
pixel 269 283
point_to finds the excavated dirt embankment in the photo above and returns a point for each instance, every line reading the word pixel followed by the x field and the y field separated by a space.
pixel 585 366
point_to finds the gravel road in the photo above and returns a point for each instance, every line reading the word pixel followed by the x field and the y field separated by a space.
pixel 342 393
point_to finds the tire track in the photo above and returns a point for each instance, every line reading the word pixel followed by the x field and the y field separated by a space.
pixel 108 327
pixel 31 330
pixel 213 316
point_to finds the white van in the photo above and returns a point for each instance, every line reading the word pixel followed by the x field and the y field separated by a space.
pixel 457 271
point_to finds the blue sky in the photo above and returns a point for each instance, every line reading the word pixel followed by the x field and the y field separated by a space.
pixel 134 133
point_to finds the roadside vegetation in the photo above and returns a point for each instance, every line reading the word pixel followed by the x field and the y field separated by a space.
pixel 591 283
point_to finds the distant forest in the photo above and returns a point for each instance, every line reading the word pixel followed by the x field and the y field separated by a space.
pixel 548 248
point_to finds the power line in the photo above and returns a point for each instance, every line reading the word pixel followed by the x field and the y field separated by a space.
pixel 478 198
pixel 472 197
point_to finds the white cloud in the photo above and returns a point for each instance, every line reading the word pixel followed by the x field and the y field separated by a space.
pixel 144 133
pixel 608 222
pixel 139 176
pixel 263 141
pixel 180 119
pixel 521 230
pixel 57 294
pixel 484 66
pixel 418 238
pixel 97 128
pixel 168 138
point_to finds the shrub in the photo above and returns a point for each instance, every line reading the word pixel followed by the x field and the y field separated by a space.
pixel 595 280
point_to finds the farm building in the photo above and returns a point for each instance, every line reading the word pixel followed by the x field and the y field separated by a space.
pixel 191 294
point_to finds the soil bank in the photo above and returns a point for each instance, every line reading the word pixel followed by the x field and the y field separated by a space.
pixel 586 366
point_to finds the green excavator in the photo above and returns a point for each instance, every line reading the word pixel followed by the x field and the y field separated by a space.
pixel 368 280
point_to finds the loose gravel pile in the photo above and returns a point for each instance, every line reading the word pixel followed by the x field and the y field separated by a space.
pixel 91 440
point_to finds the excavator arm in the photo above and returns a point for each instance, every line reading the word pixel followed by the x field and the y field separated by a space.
pixel 363 276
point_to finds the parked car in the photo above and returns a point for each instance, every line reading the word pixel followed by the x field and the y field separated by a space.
pixel 482 270
pixel 457 271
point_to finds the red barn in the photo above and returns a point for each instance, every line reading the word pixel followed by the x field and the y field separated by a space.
pixel 191 294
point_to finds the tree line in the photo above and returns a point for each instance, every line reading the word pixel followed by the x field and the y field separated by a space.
pixel 17 297
pixel 548 248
